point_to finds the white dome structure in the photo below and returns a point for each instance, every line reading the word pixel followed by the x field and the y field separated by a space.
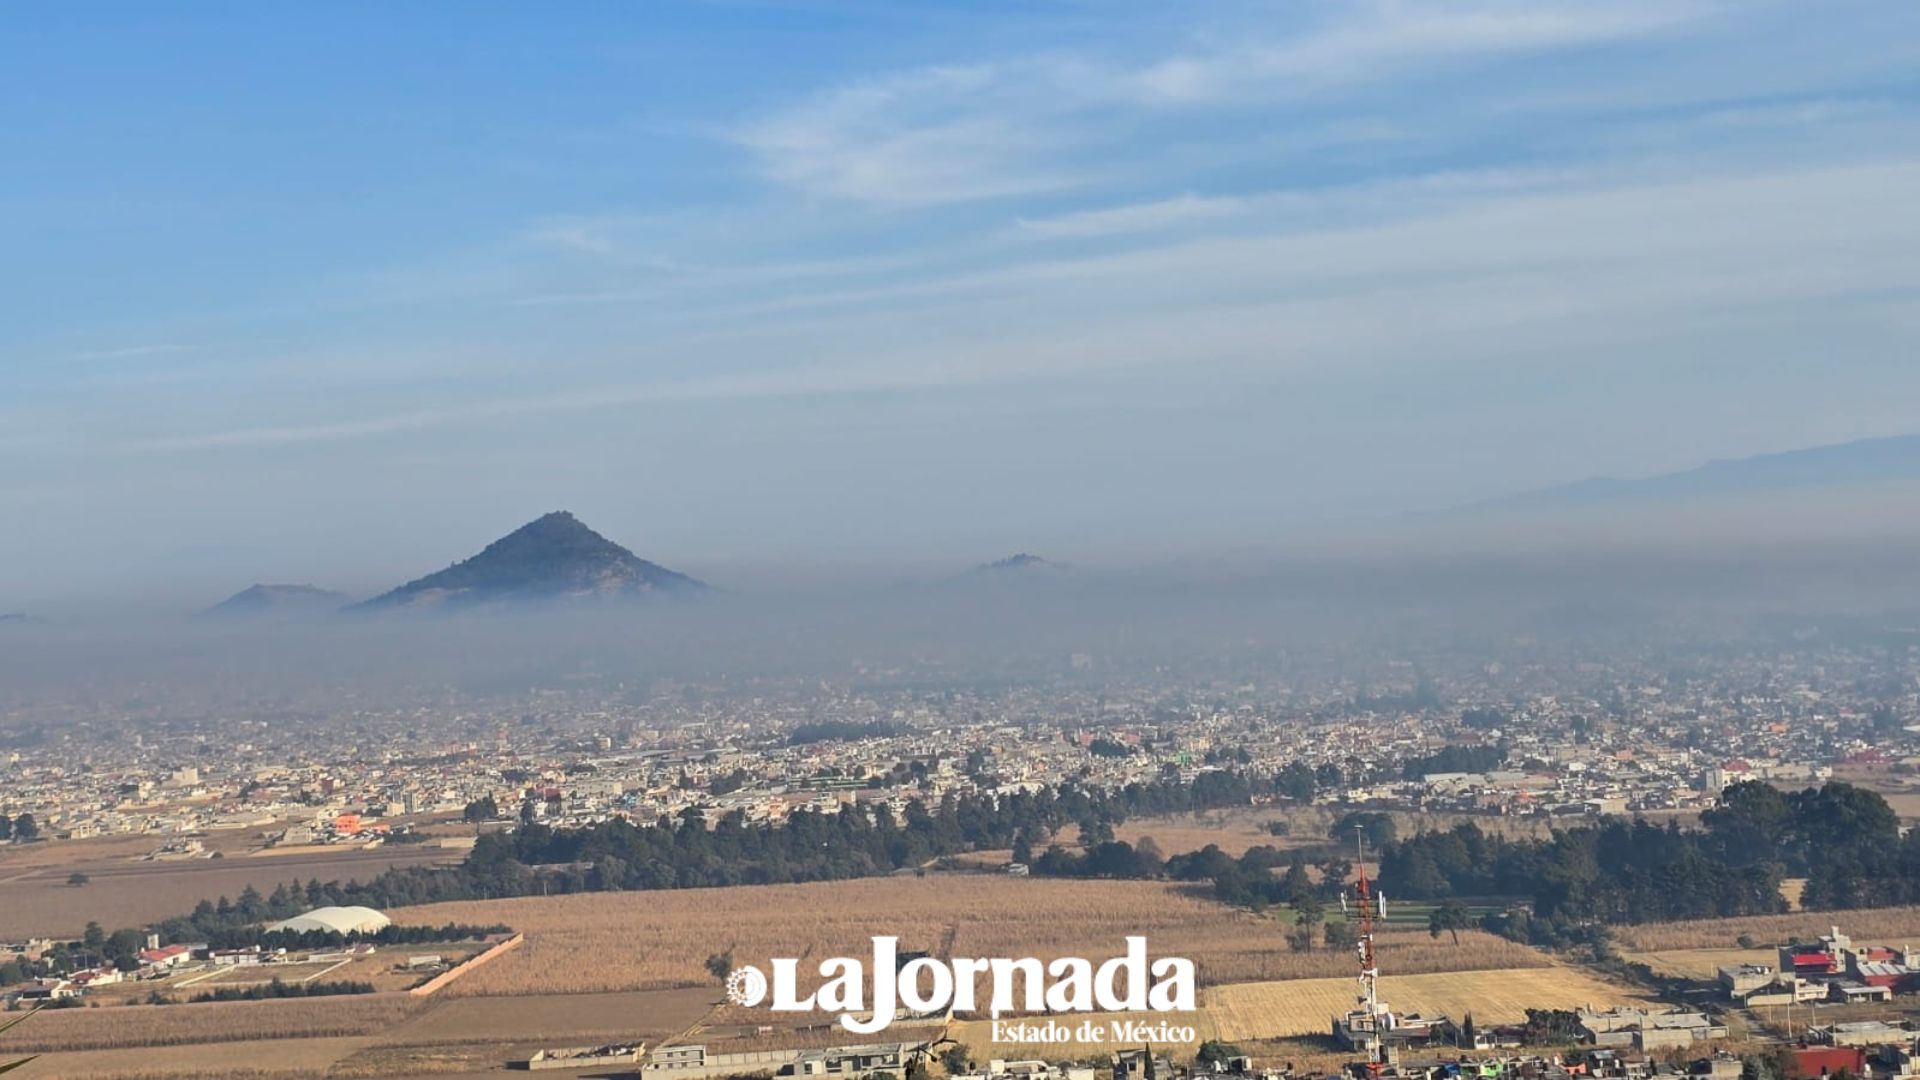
pixel 336 920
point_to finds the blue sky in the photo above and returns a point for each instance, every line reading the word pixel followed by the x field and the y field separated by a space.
pixel 335 293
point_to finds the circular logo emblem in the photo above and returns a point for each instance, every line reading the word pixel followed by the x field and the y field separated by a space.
pixel 747 986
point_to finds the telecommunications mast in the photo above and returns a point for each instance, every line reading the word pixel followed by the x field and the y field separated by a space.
pixel 1367 1025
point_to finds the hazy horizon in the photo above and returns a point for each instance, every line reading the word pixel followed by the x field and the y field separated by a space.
pixel 1718 533
pixel 835 291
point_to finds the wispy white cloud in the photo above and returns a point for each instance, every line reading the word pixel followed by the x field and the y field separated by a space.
pixel 1371 41
pixel 1800 113
pixel 918 138
pixel 1028 124
pixel 1420 192
pixel 676 278
pixel 1184 209
pixel 789 382
pixel 1529 273
pixel 132 352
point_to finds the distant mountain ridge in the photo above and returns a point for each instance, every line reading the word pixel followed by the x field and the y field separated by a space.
pixel 257 600
pixel 1863 461
pixel 1014 575
pixel 1017 562
pixel 554 557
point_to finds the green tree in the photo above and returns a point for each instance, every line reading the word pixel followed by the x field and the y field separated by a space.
pixel 1375 826
pixel 1450 917
pixel 123 949
pixel 1334 872
pixel 609 873
pixel 1308 911
pixel 25 829
pixel 1213 1052
pixel 1297 782
pixel 1752 818
pixel 1023 847
pixel 1095 830
pixel 1295 885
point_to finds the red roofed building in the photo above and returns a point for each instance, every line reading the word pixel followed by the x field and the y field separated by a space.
pixel 1808 960
pixel 1817 1061
pixel 167 957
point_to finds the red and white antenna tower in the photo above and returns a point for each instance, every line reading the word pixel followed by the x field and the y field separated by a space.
pixel 1370 1015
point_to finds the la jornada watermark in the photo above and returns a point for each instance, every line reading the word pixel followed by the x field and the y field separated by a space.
pixel 1131 983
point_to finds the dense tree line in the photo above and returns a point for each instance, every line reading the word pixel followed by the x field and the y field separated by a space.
pixel 1845 840
pixel 277 989
pixel 223 926
pixel 1375 827
pixel 241 937
pixel 239 924
pixel 854 841
pixel 1263 876
pixel 1615 872
pixel 1455 759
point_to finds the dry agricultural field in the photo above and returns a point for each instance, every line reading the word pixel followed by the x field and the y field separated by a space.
pixel 658 940
pixel 1703 964
pixel 212 1022
pixel 1254 1012
pixel 555 1019
pixel 612 966
pixel 276 1059
pixel 1267 1010
pixel 1893 925
pixel 380 1035
pixel 35 899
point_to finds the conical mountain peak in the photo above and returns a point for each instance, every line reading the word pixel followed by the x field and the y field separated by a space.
pixel 555 556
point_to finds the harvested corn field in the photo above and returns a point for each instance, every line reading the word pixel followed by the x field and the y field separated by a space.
pixel 660 940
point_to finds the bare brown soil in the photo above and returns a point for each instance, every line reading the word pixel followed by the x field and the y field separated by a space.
pixel 560 1020
pixel 1890 925
pixel 174 1025
pixel 279 1059
pixel 657 940
pixel 36 900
